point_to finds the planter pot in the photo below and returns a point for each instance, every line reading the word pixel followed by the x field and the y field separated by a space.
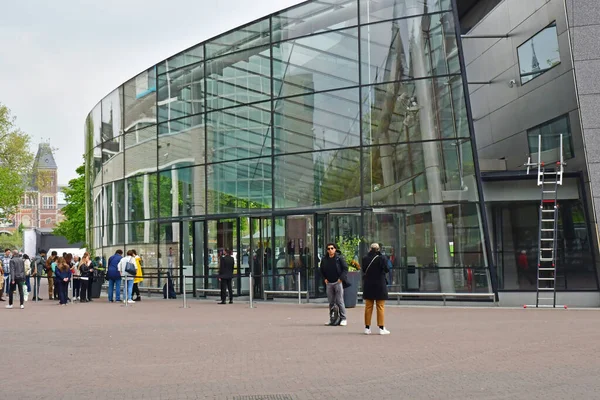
pixel 351 293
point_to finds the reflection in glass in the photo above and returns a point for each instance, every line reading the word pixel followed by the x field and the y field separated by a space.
pixel 539 54
pixel 191 56
pixel 239 186
pixel 425 109
pixel 181 93
pixel 314 17
pixel 253 35
pixel 140 101
pixel 112 126
pixel 181 141
pixel 140 151
pixel 380 10
pixel 321 179
pixel 316 63
pixel 238 79
pixel 182 192
pixel 550 132
pixel 317 121
pixel 139 204
pixel 239 132
pixel 409 48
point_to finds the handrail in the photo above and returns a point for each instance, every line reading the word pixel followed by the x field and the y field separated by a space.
pixel 443 295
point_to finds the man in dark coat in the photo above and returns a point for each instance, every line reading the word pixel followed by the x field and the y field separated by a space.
pixel 374 269
pixel 226 275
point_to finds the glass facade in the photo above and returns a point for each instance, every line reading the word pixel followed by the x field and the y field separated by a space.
pixel 329 120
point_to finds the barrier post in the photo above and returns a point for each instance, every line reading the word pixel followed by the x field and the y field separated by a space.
pixel 125 290
pixel 36 289
pixel 251 288
pixel 299 291
pixel 184 296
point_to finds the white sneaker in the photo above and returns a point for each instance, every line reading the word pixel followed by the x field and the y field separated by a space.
pixel 343 323
pixel 9 306
pixel 367 331
pixel 130 302
pixel 22 306
pixel 384 331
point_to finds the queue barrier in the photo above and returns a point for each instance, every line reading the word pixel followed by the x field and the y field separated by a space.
pixel 443 296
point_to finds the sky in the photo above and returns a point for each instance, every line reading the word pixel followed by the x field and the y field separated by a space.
pixel 59 58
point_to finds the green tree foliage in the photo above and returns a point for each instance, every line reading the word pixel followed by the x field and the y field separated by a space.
pixel 73 227
pixel 15 163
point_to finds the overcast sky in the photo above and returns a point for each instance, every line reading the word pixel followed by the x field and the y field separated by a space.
pixel 59 58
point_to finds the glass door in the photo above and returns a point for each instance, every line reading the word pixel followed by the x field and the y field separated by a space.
pixel 261 254
pixel 222 236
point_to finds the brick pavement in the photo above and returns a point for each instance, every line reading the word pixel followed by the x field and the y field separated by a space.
pixel 158 350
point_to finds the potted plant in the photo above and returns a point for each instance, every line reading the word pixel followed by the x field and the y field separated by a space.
pixel 348 246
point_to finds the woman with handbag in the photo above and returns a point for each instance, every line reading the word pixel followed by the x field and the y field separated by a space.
pixel 127 268
pixel 374 269
pixel 85 272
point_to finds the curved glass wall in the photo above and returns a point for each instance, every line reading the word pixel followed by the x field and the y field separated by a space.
pixel 328 120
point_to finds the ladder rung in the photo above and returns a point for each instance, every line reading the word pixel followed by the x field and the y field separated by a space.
pixel 546 259
pixel 548 220
pixel 545 279
pixel 550 249
pixel 546 239
pixel 546 289
pixel 545 298
pixel 547 230
pixel 549 191
pixel 546 269
pixel 548 211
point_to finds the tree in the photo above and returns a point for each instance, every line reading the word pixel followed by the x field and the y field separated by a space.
pixel 15 164
pixel 73 227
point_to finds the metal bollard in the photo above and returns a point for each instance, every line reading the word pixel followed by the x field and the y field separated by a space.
pixel 251 291
pixel 36 289
pixel 125 290
pixel 184 296
pixel 299 291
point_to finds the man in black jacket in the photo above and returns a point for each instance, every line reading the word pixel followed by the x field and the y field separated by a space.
pixel 334 270
pixel 226 275
pixel 17 278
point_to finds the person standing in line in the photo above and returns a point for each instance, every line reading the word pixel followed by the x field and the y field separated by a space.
pixel 122 270
pixel 76 278
pixel 50 275
pixel 17 268
pixel 334 271
pixel 374 270
pixel 62 273
pixel 226 275
pixel 27 264
pixel 37 271
pixel 139 276
pixel 1 282
pixel 85 267
pixel 6 268
pixel 114 276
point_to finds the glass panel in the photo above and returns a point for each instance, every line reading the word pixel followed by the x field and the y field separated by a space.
pixel 112 119
pixel 417 173
pixel 294 253
pixel 432 248
pixel 222 237
pixel 379 10
pixel 412 111
pixel 239 186
pixel 238 79
pixel 96 125
pixel 168 254
pixel 113 159
pixel 539 54
pixel 181 93
pixel 316 63
pixel 317 121
pixel 239 132
pixel 191 56
pixel 550 132
pixel 140 151
pixel 182 192
pixel 181 142
pixel 115 193
pixel 261 254
pixel 97 164
pixel 327 179
pixel 141 195
pixel 253 35
pixel 314 17
pixel 140 233
pixel 409 48
pixel 140 101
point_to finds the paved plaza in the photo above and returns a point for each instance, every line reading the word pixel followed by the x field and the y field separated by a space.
pixel 158 350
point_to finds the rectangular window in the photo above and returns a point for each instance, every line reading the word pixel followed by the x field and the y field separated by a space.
pixel 550 132
pixel 539 54
pixel 47 202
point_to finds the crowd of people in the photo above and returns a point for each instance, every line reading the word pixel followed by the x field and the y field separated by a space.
pixel 68 270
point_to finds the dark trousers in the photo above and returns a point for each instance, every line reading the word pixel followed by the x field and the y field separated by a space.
pixel 136 290
pixel 226 284
pixel 62 291
pixel 18 284
pixel 83 289
pixel 76 287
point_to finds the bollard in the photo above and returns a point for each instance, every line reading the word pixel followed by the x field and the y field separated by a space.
pixel 125 290
pixel 299 292
pixel 36 288
pixel 251 286
pixel 184 296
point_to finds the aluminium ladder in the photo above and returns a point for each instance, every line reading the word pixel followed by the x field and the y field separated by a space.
pixel 550 177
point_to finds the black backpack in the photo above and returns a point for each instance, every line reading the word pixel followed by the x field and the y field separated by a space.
pixel 334 316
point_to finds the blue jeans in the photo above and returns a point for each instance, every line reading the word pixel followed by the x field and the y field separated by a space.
pixel 129 288
pixel 28 283
pixel 111 286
